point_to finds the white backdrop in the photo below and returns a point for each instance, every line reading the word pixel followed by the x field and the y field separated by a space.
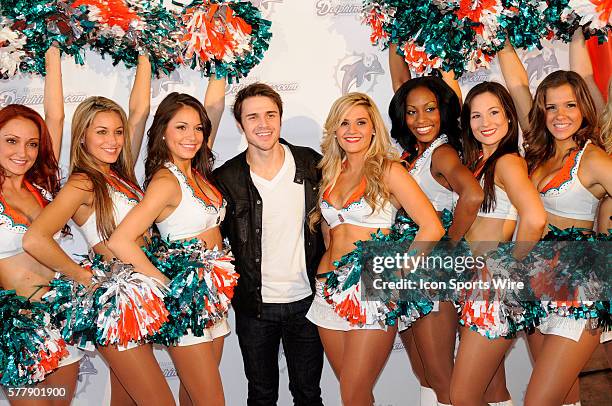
pixel 319 51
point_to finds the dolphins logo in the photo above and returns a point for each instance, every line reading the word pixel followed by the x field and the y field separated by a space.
pixel 86 370
pixel 162 83
pixel 357 72
pixel 540 65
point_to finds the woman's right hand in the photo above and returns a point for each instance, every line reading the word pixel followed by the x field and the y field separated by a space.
pixel 85 277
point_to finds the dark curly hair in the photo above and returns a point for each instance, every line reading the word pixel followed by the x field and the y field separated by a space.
pixel 448 105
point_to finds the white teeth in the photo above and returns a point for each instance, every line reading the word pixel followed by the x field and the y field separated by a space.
pixel 561 125
pixel 19 161
pixel 424 130
pixel 263 134
pixel 488 132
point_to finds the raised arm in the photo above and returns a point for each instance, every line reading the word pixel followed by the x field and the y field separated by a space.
pixel 140 104
pixel 446 162
pixel 449 78
pixel 517 83
pixel 214 103
pixel 54 98
pixel 162 196
pixel 400 73
pixel 511 170
pixel 580 62
pixel 38 240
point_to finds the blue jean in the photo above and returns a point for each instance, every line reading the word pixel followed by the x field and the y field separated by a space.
pixel 259 340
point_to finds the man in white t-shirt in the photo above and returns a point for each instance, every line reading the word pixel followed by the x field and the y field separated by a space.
pixel 270 189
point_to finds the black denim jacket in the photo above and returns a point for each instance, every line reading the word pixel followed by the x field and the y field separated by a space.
pixel 243 222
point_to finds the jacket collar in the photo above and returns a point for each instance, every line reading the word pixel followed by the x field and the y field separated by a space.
pixel 299 162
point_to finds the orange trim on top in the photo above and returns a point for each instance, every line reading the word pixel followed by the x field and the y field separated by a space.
pixel 201 195
pixel 353 198
pixel 124 186
pixel 564 174
pixel 15 215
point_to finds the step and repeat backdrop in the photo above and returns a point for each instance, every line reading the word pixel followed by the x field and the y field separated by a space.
pixel 319 51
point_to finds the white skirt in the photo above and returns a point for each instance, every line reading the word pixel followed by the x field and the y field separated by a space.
pixel 323 315
pixel 568 327
pixel 220 329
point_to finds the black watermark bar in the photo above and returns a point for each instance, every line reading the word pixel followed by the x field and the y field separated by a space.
pixel 524 271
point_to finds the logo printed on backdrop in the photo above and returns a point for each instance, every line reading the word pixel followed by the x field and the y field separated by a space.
pixel 86 370
pixel 168 369
pixel 540 65
pixel 358 72
pixel 161 85
pixel 398 345
pixel 338 8
pixel 33 97
pixel 266 6
pixel 281 87
pixel 473 78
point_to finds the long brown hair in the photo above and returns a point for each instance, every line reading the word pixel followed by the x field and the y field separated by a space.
pixel 472 148
pixel 45 171
pixel 157 150
pixel 539 142
pixel 82 162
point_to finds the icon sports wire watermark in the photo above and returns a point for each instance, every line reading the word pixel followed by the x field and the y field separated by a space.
pixel 547 270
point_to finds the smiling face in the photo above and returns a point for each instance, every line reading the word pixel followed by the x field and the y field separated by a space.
pixel 19 144
pixel 104 138
pixel 354 135
pixel 184 134
pixel 563 115
pixel 423 115
pixel 261 122
pixel 488 119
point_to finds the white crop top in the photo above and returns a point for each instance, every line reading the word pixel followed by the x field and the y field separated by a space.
pixel 565 196
pixel 357 211
pixel 440 197
pixel 124 197
pixel 195 213
pixel 13 226
pixel 502 209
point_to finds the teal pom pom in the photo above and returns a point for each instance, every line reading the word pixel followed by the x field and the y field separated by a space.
pixel 30 347
pixel 224 38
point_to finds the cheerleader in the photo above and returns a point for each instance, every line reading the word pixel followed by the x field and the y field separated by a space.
pixel 29 178
pixel 572 173
pixel 182 201
pixel 100 191
pixel 363 185
pixel 425 122
pixel 490 139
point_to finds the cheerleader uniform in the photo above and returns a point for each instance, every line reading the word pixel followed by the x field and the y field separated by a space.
pixel 493 319
pixel 12 229
pixel 565 196
pixel 194 215
pixel 326 311
pixel 442 199
pixel 124 197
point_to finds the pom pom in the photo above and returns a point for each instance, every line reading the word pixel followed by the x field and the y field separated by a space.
pixel 30 348
pixel 45 22
pixel 379 17
pixel 12 53
pixel 125 30
pixel 123 306
pixel 225 39
pixel 201 286
pixel 594 15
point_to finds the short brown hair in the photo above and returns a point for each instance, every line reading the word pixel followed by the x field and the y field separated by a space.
pixel 253 90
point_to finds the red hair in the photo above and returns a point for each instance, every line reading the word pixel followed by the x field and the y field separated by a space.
pixel 45 171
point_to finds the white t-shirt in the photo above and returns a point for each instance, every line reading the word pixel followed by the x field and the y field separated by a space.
pixel 283 260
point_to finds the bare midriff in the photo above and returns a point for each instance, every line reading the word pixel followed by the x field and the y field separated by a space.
pixel 342 241
pixel 25 275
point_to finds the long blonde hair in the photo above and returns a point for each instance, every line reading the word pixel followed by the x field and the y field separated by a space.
pixel 606 126
pixel 378 157
pixel 82 162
